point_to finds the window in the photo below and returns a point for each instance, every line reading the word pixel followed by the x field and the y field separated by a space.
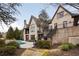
pixel 55 25
pixel 32 37
pixel 32 31
pixel 64 24
pixel 32 28
pixel 26 31
pixel 60 14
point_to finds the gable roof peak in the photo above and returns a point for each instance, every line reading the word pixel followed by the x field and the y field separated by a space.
pixel 72 14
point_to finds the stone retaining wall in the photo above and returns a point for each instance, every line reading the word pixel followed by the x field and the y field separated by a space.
pixel 62 35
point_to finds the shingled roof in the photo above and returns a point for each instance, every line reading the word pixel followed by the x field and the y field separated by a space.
pixel 37 21
pixel 70 12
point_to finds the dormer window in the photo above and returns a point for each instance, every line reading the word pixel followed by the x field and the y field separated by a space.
pixel 60 14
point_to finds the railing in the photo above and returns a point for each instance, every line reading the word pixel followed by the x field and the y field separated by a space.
pixel 52 32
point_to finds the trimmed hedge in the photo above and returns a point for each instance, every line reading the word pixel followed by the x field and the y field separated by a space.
pixel 66 46
pixel 43 44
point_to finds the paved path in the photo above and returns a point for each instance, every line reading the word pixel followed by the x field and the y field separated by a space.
pixel 27 45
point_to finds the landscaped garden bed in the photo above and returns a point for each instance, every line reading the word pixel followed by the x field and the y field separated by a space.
pixel 72 52
pixel 47 52
pixel 42 49
pixel 65 49
pixel 8 49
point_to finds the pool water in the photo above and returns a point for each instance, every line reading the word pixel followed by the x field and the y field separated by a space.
pixel 20 41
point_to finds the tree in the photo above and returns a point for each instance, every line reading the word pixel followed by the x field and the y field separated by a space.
pixel 6 12
pixel 17 33
pixel 21 34
pixel 10 33
pixel 43 15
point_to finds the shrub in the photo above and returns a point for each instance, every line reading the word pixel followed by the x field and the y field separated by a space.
pixel 77 45
pixel 43 44
pixel 45 53
pixel 15 44
pixel 67 46
pixel 2 43
pixel 7 50
pixel 64 47
pixel 10 50
pixel 71 46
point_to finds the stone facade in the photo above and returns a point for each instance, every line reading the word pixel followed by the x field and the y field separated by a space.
pixel 66 31
pixel 60 20
pixel 66 35
pixel 74 40
pixel 33 30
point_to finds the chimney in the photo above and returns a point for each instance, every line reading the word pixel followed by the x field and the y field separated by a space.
pixel 25 24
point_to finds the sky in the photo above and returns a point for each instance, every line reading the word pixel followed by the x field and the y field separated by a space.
pixel 26 10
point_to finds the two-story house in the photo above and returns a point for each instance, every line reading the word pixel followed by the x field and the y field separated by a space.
pixel 65 18
pixel 35 28
pixel 65 21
